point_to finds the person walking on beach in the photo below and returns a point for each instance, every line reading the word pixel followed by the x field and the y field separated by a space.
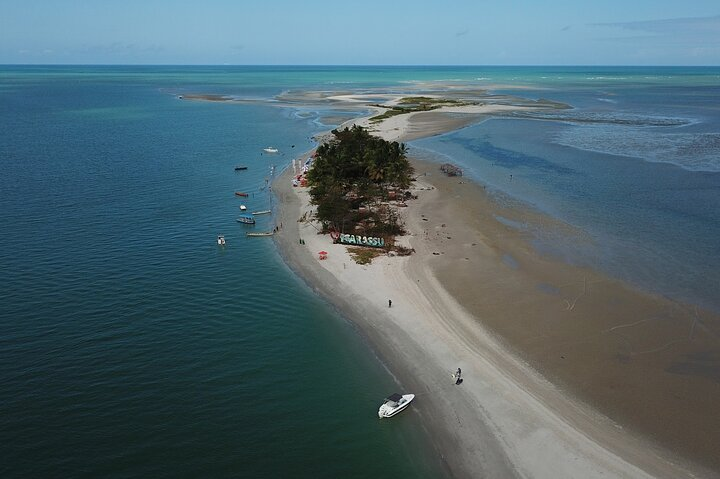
pixel 458 374
pixel 389 303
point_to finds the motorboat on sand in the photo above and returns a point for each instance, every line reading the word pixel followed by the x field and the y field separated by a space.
pixel 394 404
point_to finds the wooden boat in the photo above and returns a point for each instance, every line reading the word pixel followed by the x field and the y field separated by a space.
pixel 263 212
pixel 240 193
pixel 239 168
pixel 264 233
pixel 247 219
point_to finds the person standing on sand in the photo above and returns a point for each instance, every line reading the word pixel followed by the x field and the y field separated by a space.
pixel 458 375
pixel 389 303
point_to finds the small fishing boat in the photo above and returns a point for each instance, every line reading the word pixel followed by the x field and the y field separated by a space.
pixel 247 219
pixel 240 193
pixel 394 404
pixel 263 233
pixel 263 212
pixel 240 168
pixel 270 149
pixel 221 240
pixel 243 207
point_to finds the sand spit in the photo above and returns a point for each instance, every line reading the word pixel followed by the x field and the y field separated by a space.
pixel 476 296
pixel 505 420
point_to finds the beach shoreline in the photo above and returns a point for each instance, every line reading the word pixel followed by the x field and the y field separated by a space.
pixel 477 438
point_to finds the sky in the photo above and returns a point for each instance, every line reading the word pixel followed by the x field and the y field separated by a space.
pixel 364 32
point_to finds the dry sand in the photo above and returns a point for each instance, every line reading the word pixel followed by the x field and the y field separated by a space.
pixel 549 352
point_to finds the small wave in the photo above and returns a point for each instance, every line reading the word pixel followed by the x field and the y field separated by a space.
pixel 691 151
pixel 442 80
pixel 610 118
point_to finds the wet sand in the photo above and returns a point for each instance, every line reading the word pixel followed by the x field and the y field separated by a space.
pixel 476 296
pixel 650 364
pixel 568 373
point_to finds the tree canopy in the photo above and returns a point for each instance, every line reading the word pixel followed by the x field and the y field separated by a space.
pixel 352 168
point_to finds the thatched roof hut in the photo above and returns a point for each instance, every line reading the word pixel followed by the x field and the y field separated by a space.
pixel 451 170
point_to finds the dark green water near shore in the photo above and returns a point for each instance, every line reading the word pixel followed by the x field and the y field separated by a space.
pixel 132 345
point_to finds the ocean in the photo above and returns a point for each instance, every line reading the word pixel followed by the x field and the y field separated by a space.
pixel 132 345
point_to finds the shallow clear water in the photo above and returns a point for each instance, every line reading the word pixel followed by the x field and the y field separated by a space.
pixel 635 165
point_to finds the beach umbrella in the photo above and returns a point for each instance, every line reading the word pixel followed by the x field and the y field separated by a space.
pixel 323 252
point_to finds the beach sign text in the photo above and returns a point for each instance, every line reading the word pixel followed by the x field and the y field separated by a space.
pixel 362 240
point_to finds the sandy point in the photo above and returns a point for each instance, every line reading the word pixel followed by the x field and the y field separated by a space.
pixel 505 419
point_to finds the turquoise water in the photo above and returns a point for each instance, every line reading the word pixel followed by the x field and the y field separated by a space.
pixel 133 346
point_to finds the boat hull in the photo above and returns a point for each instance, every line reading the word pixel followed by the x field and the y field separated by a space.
pixel 386 411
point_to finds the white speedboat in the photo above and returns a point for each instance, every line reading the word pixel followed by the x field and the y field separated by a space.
pixel 243 207
pixel 221 240
pixel 270 149
pixel 394 404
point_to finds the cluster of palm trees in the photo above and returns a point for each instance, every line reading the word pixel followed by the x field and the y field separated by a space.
pixel 356 168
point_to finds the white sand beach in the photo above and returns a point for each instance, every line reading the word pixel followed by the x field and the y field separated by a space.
pixel 505 419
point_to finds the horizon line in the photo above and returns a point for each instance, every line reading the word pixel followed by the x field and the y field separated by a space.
pixel 408 65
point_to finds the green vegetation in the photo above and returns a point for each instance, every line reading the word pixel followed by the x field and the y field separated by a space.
pixel 353 176
pixel 412 104
pixel 364 255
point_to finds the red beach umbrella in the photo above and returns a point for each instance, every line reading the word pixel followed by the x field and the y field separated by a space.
pixel 323 252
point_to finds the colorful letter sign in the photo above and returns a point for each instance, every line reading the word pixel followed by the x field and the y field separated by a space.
pixel 362 240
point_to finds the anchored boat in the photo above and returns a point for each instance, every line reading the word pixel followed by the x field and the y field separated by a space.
pixel 240 193
pixel 263 212
pixel 240 167
pixel 270 149
pixel 247 219
pixel 394 404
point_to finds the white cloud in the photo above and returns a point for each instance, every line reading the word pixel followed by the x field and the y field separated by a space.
pixel 705 29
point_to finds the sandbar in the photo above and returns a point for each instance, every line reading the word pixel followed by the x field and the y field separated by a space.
pixel 568 373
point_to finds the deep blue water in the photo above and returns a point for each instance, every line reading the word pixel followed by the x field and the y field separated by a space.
pixel 133 346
